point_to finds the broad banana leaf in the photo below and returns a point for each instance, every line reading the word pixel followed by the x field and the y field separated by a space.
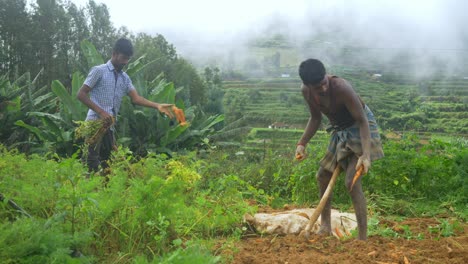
pixel 91 54
pixel 52 117
pixel 14 105
pixel 53 130
pixel 136 66
pixel 172 135
pixel 45 102
pixel 35 130
pixel 166 95
pixel 77 82
pixel 71 106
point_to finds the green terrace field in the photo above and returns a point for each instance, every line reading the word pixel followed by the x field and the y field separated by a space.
pixel 421 106
pixel 269 101
pixel 285 139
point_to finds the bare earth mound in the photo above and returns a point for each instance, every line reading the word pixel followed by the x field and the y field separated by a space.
pixel 428 248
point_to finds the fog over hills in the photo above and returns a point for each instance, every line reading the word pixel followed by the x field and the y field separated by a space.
pixel 420 37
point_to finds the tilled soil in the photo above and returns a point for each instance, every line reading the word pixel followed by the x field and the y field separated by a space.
pixel 422 246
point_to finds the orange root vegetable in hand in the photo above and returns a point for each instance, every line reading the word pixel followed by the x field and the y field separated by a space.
pixel 357 175
pixel 338 232
pixel 299 156
pixel 180 116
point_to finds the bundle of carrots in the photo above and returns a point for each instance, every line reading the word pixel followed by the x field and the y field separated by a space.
pixel 92 130
pixel 180 116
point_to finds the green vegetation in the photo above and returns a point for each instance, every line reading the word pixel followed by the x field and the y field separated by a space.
pixel 151 208
pixel 155 209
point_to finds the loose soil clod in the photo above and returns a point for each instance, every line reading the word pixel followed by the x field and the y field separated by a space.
pixel 377 249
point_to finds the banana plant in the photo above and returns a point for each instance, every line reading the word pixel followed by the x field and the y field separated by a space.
pixel 145 129
pixel 52 127
pixel 51 137
pixel 20 98
pixel 10 109
pixel 202 127
pixel 91 54
pixel 71 109
pixel 49 113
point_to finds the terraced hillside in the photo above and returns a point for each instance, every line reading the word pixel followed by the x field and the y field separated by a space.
pixel 269 101
pixel 423 106
pixel 445 103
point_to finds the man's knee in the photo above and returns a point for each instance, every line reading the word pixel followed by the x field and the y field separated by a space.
pixel 323 175
pixel 349 182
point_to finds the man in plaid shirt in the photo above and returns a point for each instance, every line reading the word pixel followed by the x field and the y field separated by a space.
pixel 102 93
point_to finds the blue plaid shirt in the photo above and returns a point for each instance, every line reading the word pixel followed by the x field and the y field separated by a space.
pixel 107 90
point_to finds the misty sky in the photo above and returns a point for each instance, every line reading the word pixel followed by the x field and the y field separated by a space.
pixel 201 16
pixel 438 27
pixel 415 20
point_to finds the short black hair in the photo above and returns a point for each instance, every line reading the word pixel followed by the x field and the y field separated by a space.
pixel 311 71
pixel 124 46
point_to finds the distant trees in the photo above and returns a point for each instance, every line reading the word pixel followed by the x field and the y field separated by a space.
pixel 102 32
pixel 16 27
pixel 215 93
pixel 45 38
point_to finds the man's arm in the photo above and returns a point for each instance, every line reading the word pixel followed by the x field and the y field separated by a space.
pixel 314 120
pixel 83 96
pixel 354 106
pixel 139 100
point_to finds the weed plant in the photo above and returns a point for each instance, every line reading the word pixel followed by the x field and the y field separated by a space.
pixel 152 209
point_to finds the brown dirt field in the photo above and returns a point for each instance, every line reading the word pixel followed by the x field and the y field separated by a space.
pixel 434 248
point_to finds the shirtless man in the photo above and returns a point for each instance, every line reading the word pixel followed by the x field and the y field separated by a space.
pixel 355 139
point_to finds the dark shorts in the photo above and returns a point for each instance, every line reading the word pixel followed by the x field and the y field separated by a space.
pixel 99 153
pixel 347 142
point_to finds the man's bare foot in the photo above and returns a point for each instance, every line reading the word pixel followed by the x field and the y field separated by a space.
pixel 323 231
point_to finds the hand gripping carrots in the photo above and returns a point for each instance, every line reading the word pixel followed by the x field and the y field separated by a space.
pixel 300 151
pixel 180 116
pixel 93 130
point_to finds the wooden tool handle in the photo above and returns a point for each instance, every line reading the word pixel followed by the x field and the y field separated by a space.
pixel 324 199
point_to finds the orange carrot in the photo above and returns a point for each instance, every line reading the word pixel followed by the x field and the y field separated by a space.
pixel 298 156
pixel 179 113
pixel 347 232
pixel 338 232
pixel 357 175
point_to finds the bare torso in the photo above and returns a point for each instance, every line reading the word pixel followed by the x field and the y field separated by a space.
pixel 332 101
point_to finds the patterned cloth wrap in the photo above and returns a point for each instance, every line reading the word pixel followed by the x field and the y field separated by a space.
pixel 346 142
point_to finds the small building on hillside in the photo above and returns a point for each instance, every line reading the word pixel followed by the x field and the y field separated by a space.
pixel 376 76
pixel 278 125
